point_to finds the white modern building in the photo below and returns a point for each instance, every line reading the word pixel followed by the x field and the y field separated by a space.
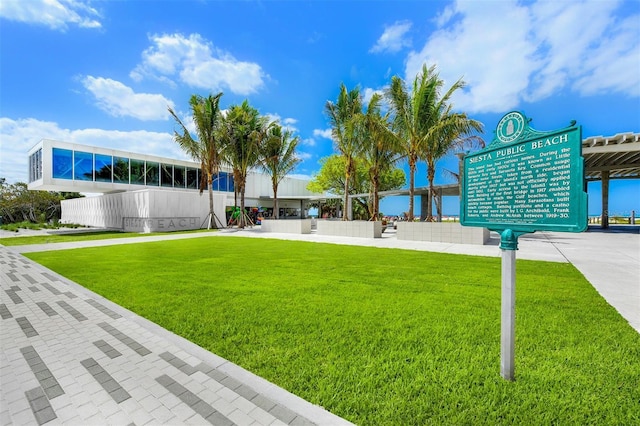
pixel 146 193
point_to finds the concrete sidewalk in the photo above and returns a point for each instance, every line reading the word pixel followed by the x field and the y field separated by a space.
pixel 70 356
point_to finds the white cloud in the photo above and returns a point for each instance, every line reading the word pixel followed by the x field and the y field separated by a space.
pixel 513 52
pixel 308 142
pixel 393 39
pixel 368 93
pixel 119 100
pixel 326 133
pixel 55 14
pixel 304 156
pixel 286 123
pixel 197 63
pixel 18 136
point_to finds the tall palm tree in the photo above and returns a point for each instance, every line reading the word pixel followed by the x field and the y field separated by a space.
pixel 380 148
pixel 278 157
pixel 449 131
pixel 341 116
pixel 241 132
pixel 411 111
pixel 206 148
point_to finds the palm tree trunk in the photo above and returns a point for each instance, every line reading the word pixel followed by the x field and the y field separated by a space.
pixel 212 222
pixel 242 218
pixel 430 176
pixel 276 212
pixel 376 199
pixel 345 213
pixel 412 186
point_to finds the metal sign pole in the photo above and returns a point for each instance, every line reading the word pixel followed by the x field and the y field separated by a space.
pixel 508 246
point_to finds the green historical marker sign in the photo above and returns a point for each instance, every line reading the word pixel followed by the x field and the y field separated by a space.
pixel 526 180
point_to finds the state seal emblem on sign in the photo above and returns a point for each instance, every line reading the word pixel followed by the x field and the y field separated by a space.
pixel 510 127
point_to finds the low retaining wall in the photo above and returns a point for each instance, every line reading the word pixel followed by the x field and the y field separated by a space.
pixel 441 232
pixel 286 226
pixel 349 228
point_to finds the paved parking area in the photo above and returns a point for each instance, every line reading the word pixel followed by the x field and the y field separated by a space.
pixel 71 357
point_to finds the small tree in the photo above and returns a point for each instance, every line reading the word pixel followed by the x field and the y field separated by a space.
pixel 206 148
pixel 380 149
pixel 242 132
pixel 341 116
pixel 278 157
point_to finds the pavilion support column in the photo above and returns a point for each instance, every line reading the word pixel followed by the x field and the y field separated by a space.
pixel 425 199
pixel 605 200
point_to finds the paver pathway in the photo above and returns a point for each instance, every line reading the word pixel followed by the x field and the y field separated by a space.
pixel 70 356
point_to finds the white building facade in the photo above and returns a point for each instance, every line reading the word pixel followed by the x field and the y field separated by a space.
pixel 146 193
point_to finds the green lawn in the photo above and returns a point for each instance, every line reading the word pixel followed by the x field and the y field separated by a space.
pixel 382 336
pixel 80 236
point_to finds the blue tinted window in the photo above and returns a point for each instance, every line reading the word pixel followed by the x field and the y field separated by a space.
pixel 230 186
pixel 62 163
pixel 137 172
pixel 166 175
pixel 192 178
pixel 178 176
pixel 220 183
pixel 153 174
pixel 120 170
pixel 35 166
pixel 82 165
pixel 103 168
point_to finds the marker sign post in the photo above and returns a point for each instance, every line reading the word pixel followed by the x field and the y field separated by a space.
pixel 524 181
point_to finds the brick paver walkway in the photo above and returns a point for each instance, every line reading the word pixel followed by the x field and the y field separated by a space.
pixel 71 357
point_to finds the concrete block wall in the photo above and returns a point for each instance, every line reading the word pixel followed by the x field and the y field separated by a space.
pixel 441 232
pixel 354 228
pixel 287 226
pixel 109 210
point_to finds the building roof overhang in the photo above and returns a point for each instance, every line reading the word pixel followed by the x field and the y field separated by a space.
pixel 619 155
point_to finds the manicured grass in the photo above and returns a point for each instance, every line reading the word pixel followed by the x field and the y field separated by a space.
pixel 81 236
pixel 382 336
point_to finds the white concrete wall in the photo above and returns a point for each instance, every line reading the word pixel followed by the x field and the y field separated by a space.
pixel 441 232
pixel 259 184
pixel 109 210
pixel 349 228
pixel 287 226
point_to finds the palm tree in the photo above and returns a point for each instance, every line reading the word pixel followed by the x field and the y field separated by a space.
pixel 449 131
pixel 341 116
pixel 278 157
pixel 241 134
pixel 411 118
pixel 380 148
pixel 206 148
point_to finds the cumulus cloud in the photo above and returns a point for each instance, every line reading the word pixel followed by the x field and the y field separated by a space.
pixel 286 123
pixel 20 135
pixel 393 39
pixel 326 133
pixel 368 93
pixel 119 100
pixel 198 63
pixel 55 14
pixel 514 52
pixel 304 156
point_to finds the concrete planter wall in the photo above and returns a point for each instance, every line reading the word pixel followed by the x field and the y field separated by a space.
pixel 441 233
pixel 287 226
pixel 353 228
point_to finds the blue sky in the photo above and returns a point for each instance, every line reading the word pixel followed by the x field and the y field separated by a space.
pixel 103 72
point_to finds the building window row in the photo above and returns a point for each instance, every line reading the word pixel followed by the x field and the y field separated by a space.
pixel 86 166
pixel 35 166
